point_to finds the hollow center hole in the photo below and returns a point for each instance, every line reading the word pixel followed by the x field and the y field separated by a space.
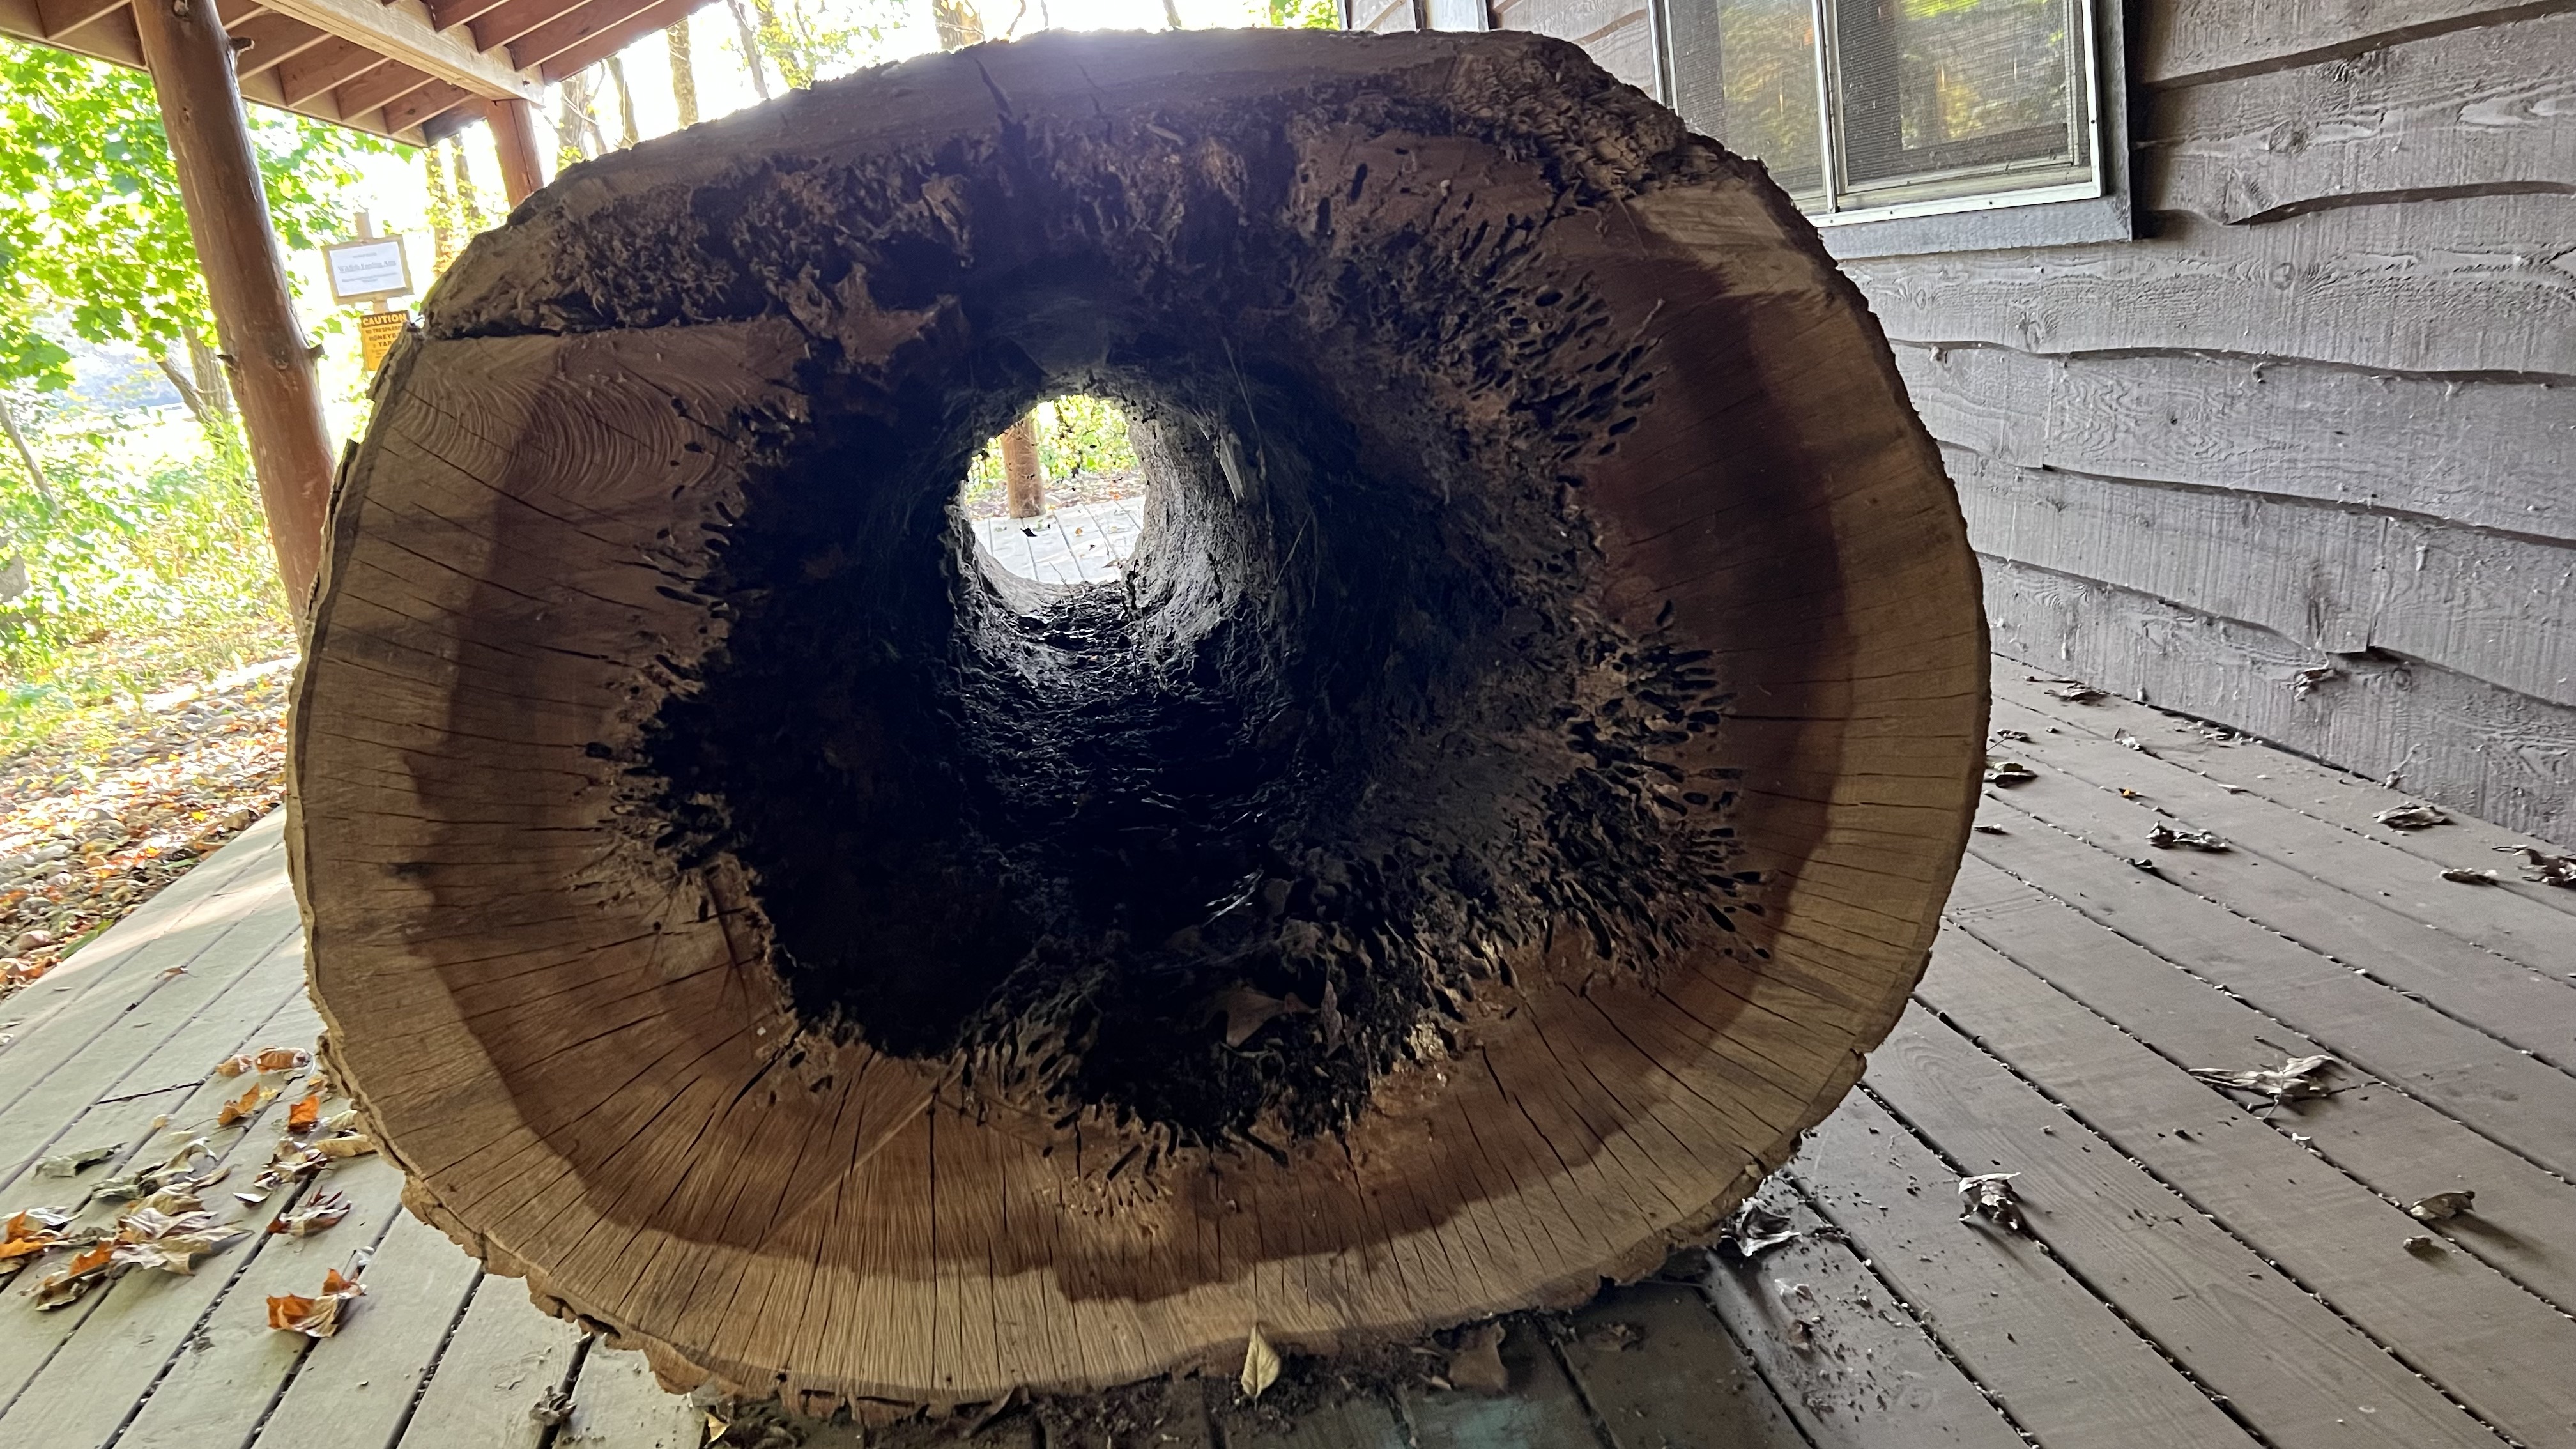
pixel 1059 496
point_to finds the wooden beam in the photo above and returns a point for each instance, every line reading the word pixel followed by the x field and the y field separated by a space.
pixel 380 87
pixel 402 31
pixel 591 21
pixel 660 16
pixel 503 23
pixel 325 68
pixel 448 14
pixel 62 17
pixel 434 99
pixel 272 40
pixel 514 136
pixel 270 361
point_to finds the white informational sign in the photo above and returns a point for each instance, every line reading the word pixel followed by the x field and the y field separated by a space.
pixel 362 271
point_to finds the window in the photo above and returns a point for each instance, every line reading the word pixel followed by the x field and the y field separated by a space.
pixel 1868 110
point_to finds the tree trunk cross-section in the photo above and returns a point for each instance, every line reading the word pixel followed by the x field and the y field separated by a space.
pixel 1513 785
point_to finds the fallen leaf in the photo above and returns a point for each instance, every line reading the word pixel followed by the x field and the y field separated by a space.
pixel 325 1211
pixel 2166 837
pixel 1246 1010
pixel 2149 866
pixel 283 1059
pixel 241 1107
pixel 2023 736
pixel 1260 1364
pixel 1990 830
pixel 2293 1080
pixel 73 1163
pixel 319 1315
pixel 2421 1243
pixel 234 1066
pixel 2465 876
pixel 2442 1206
pixel 2128 741
pixel 1753 1230
pixel 1989 1195
pixel 349 1144
pixel 2412 817
pixel 178 1252
pixel 2008 772
pixel 76 1278
pixel 178 1171
pixel 306 1114
pixel 174 971
pixel 1476 1365
pixel 2076 693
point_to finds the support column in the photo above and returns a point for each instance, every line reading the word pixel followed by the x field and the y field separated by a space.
pixel 514 135
pixel 191 61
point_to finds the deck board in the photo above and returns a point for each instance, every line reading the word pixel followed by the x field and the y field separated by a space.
pixel 2203 1270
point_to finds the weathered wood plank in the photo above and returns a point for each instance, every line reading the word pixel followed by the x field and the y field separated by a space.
pixel 501 1365
pixel 2087 1379
pixel 1863 1374
pixel 2490 106
pixel 1660 1370
pixel 2319 794
pixel 2346 888
pixel 2500 1352
pixel 2456 740
pixel 2462 285
pixel 356 1386
pixel 1615 33
pixel 2485 454
pixel 1541 1410
pixel 2180 40
pixel 2336 579
pixel 1362 1421
pixel 2400 1147
pixel 617 1404
pixel 2209 1298
pixel 2512 1099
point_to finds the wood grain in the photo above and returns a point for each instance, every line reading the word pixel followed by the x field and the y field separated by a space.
pixel 1659 1369
pixel 2445 736
pixel 2335 578
pixel 2482 454
pixel 2493 107
pixel 2471 284
pixel 2183 40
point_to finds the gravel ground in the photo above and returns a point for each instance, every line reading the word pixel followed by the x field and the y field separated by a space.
pixel 86 837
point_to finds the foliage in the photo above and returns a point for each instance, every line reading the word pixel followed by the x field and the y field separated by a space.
pixel 814 39
pixel 1076 435
pixel 94 237
pixel 1305 14
pixel 135 577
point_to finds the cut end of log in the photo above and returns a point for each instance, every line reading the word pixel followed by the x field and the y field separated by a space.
pixel 1511 785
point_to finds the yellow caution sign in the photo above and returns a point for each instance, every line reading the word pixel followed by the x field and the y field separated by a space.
pixel 376 334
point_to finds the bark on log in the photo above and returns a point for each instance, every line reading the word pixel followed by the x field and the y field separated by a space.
pixel 1516 785
pixel 1023 475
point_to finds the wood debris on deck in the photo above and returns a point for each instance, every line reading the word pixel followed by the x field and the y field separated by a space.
pixel 2198 1262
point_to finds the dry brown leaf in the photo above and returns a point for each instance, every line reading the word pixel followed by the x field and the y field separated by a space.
pixel 2008 772
pixel 77 1277
pixel 1989 1195
pixel 282 1059
pixel 1476 1365
pixel 2293 1080
pixel 325 1211
pixel 2442 1206
pixel 317 1316
pixel 2166 837
pixel 234 1066
pixel 306 1114
pixel 348 1144
pixel 2412 817
pixel 1754 1230
pixel 2464 876
pixel 1260 1365
pixel 2553 870
pixel 2074 693
pixel 1247 1010
pixel 76 1161
pixel 241 1107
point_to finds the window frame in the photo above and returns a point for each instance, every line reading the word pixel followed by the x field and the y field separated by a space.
pixel 2099 208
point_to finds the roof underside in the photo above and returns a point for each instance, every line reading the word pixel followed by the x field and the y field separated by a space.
pixel 411 70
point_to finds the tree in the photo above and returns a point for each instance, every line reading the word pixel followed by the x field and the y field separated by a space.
pixel 684 74
pixel 95 246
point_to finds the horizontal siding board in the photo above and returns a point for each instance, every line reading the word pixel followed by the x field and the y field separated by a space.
pixel 2486 454
pixel 2338 580
pixel 2494 106
pixel 2445 736
pixel 1614 32
pixel 2471 284
pixel 2182 39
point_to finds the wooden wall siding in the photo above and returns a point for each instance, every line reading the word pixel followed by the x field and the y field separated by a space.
pixel 1615 33
pixel 2427 118
pixel 2321 416
pixel 2432 732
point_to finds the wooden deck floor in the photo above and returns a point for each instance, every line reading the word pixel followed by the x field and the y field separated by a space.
pixel 2199 1271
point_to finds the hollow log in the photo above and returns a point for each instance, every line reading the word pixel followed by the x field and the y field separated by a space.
pixel 1513 786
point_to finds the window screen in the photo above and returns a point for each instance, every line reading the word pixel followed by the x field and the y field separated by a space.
pixel 1856 105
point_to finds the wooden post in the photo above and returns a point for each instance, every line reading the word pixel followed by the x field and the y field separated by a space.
pixel 191 61
pixel 1023 476
pixel 514 135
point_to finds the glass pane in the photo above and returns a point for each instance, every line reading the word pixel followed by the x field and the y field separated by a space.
pixel 1744 71
pixel 1943 87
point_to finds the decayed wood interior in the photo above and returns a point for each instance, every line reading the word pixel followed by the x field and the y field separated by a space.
pixel 411 70
pixel 2296 459
pixel 2201 1270
pixel 520 576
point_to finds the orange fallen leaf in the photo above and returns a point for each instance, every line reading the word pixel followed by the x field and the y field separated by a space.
pixel 353 1144
pixel 317 1316
pixel 76 1278
pixel 284 1059
pixel 234 1066
pixel 244 1105
pixel 305 1115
